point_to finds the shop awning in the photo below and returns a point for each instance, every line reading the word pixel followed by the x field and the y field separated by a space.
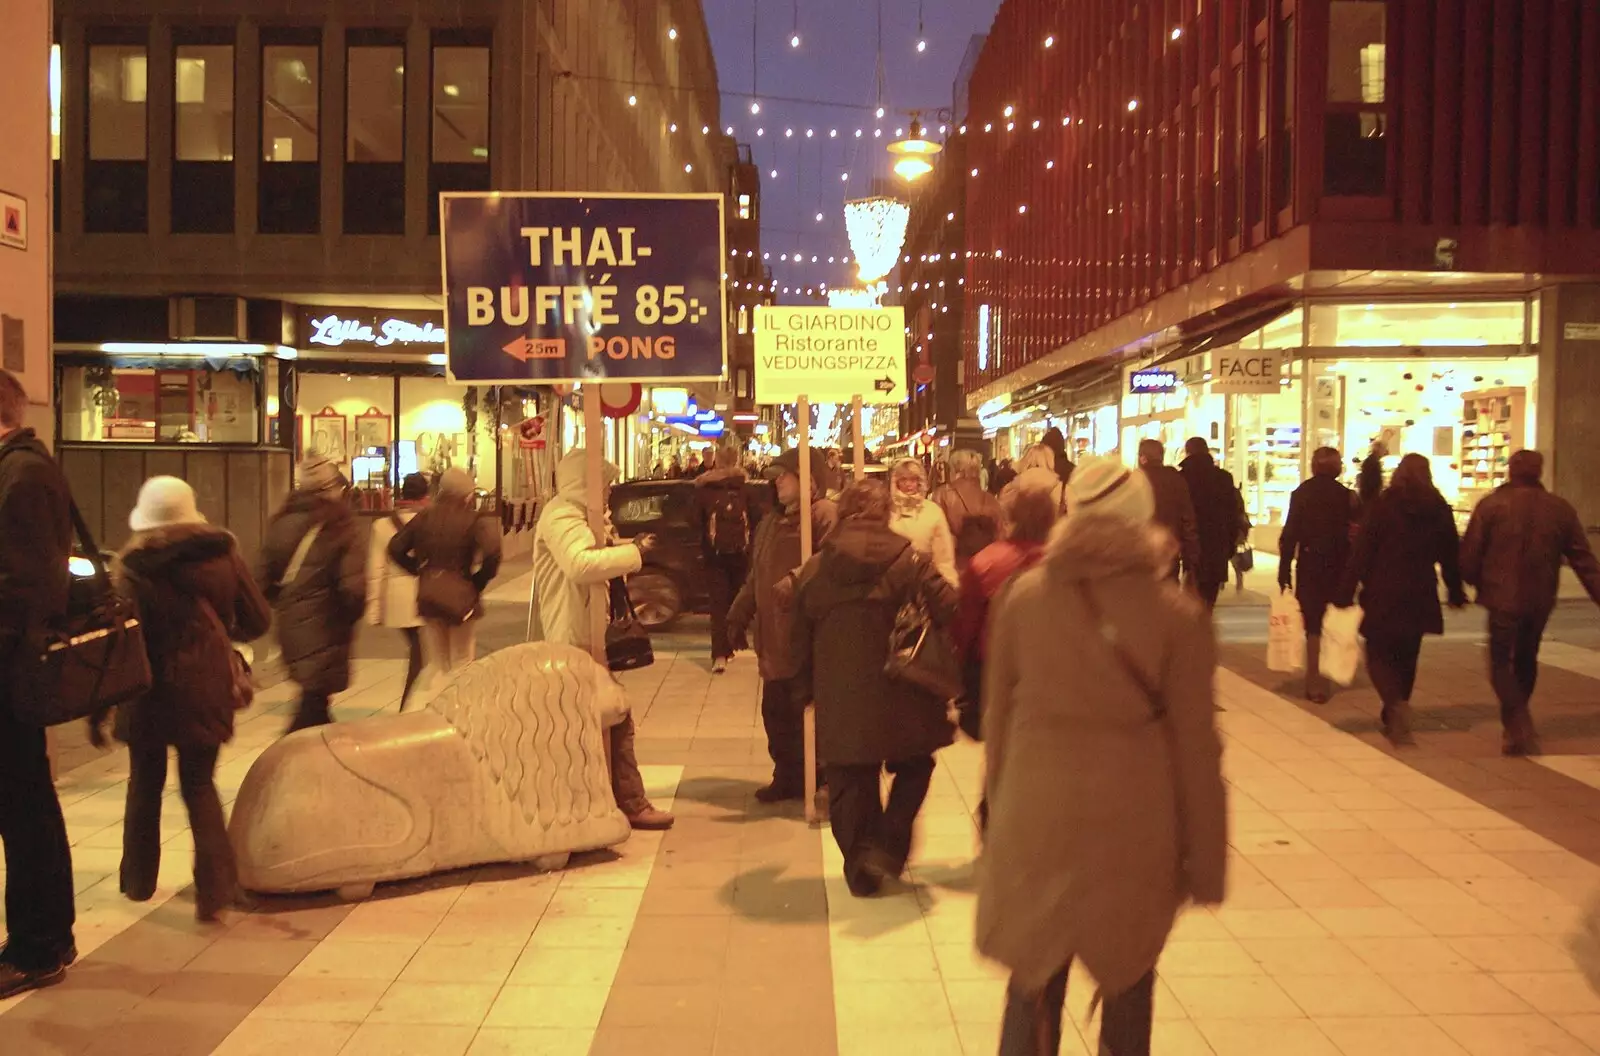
pixel 1225 332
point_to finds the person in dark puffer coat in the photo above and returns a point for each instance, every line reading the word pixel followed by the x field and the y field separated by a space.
pixel 199 598
pixel 845 605
pixel 317 608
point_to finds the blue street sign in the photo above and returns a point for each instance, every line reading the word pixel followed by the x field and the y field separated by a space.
pixel 564 288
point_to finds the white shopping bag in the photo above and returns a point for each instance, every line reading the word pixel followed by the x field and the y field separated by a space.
pixel 1286 634
pixel 1341 643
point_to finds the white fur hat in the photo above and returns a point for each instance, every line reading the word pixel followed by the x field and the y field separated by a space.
pixel 164 501
pixel 1105 488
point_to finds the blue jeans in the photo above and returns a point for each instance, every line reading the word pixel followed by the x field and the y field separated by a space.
pixel 1032 1024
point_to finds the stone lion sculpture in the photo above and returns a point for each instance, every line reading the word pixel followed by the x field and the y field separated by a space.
pixel 507 764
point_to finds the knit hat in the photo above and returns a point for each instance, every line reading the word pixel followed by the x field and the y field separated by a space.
pixel 456 484
pixel 1105 488
pixel 164 501
pixel 318 473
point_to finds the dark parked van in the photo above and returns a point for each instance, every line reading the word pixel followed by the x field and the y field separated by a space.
pixel 673 580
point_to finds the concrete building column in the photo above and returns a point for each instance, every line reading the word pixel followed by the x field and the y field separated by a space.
pixel 25 335
pixel 1569 376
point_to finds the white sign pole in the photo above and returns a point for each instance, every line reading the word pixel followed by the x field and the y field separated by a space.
pixel 802 412
pixel 594 472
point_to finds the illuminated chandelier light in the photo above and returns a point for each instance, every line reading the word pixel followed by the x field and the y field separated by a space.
pixel 870 296
pixel 877 230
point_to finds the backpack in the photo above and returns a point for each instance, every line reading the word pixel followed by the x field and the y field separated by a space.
pixel 728 521
pixel 978 530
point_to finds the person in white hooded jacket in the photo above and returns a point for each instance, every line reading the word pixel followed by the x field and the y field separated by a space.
pixel 568 563
pixel 919 520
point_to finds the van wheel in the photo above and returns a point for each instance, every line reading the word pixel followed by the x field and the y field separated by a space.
pixel 656 598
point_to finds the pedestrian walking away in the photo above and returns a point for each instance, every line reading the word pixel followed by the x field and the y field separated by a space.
pixel 35 542
pixel 391 590
pixel 1174 510
pixel 313 569
pixel 765 605
pixel 569 562
pixel 846 602
pixel 1031 513
pixel 1107 806
pixel 450 540
pixel 1408 531
pixel 192 574
pixel 1219 516
pixel 1515 543
pixel 919 520
pixel 723 511
pixel 976 518
pixel 1313 551
pixel 1056 443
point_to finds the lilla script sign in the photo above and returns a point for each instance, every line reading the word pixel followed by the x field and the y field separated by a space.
pixel 543 288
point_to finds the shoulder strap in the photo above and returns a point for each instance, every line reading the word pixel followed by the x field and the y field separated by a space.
pixel 1113 640
pixel 291 572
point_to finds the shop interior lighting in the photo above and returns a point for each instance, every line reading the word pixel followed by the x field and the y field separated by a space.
pixel 193 349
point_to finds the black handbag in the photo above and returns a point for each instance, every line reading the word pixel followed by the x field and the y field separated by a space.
pixel 628 645
pixel 921 654
pixel 90 659
pixel 446 595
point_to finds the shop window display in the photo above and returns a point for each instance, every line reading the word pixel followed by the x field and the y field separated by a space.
pixel 1466 415
pixel 158 405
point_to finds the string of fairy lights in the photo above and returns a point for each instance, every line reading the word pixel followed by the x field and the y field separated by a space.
pixel 807 157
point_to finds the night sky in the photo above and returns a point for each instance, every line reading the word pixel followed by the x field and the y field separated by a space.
pixel 836 63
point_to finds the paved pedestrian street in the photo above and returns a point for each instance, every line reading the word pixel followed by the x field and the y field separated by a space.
pixel 1427 904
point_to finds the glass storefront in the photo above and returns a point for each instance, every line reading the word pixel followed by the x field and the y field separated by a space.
pixel 184 401
pixel 1456 382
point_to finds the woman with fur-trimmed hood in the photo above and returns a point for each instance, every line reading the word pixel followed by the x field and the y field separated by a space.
pixel 198 598
pixel 1106 804
pixel 919 520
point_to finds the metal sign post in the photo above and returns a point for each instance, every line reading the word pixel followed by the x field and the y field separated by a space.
pixel 803 418
pixel 594 471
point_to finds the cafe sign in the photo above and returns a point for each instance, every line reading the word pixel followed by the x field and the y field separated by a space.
pixel 360 328
pixel 1250 372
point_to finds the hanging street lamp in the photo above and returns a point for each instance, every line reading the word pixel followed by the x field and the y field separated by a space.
pixel 914 155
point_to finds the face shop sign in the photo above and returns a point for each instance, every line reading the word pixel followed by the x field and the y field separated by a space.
pixel 1254 372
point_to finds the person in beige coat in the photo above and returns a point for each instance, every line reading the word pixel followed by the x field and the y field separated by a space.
pixel 1106 803
pixel 569 563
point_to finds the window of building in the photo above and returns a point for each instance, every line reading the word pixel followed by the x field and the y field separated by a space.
pixel 1284 87
pixel 117 111
pixel 116 174
pixel 460 105
pixel 55 102
pixel 375 101
pixel 375 136
pixel 744 207
pixel 289 103
pixel 1357 123
pixel 459 146
pixel 202 135
pixel 203 93
pixel 290 179
pixel 1356 51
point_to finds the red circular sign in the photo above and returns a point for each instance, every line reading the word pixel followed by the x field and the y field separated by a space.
pixel 620 399
pixel 922 374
